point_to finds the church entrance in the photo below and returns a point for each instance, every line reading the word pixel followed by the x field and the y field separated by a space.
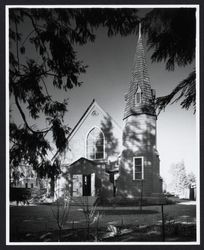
pixel 87 185
pixel 83 185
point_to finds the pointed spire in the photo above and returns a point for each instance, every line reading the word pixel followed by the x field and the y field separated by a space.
pixel 139 36
pixel 139 70
pixel 139 80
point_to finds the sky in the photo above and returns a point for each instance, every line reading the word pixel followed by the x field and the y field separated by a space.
pixel 107 80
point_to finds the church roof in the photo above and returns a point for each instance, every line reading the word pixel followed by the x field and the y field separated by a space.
pixel 83 160
pixel 88 111
pixel 83 117
pixel 139 80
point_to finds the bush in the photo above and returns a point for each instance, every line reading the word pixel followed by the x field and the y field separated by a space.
pixel 20 194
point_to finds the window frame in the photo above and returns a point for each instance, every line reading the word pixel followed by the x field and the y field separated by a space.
pixel 86 145
pixel 138 157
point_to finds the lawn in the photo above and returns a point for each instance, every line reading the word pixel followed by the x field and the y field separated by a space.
pixel 37 219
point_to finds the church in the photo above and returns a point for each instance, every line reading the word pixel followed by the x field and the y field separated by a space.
pixel 105 161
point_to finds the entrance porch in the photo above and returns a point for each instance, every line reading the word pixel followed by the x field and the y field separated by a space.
pixel 83 185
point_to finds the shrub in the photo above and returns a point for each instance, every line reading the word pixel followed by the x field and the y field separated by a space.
pixel 20 194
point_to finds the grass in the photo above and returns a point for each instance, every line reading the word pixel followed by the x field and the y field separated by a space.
pixel 36 221
pixel 178 232
pixel 127 212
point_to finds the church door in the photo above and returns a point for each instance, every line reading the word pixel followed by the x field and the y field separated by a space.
pixel 87 185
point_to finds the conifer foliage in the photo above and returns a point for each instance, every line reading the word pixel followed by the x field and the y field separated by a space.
pixel 171 36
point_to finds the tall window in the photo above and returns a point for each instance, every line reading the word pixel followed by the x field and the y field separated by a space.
pixel 95 144
pixel 138 96
pixel 138 168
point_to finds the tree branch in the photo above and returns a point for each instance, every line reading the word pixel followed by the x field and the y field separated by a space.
pixel 17 53
pixel 27 37
pixel 36 30
pixel 25 121
pixel 45 88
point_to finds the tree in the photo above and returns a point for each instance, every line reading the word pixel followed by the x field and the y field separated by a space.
pixel 191 178
pixel 171 35
pixel 179 178
pixel 42 56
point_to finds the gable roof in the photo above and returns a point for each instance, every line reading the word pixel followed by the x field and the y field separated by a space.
pixel 83 117
pixel 86 113
pixel 84 161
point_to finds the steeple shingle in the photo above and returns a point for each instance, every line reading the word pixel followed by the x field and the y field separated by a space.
pixel 139 80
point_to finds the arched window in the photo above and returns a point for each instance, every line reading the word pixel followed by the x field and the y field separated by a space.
pixel 95 144
pixel 138 96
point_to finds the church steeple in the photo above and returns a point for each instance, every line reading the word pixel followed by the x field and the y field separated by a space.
pixel 139 162
pixel 140 97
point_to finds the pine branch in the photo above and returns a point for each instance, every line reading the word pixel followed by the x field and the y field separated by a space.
pixel 186 89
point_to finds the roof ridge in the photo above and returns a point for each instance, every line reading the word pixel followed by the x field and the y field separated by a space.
pixel 86 111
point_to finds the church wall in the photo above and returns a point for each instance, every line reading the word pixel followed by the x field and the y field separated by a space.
pixel 157 180
pixel 139 140
pixel 77 141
